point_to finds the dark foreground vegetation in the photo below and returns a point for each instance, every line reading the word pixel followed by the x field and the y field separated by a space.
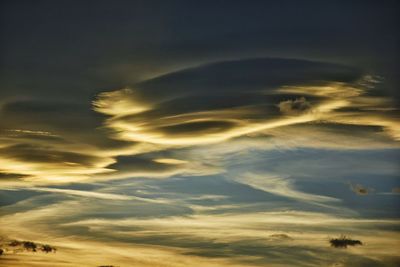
pixel 15 246
pixel 343 242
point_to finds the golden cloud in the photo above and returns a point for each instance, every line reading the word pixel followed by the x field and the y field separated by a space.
pixel 209 104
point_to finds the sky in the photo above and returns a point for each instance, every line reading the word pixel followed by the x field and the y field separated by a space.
pixel 199 133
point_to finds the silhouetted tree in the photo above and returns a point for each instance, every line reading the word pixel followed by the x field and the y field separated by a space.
pixel 15 243
pixel 343 242
pixel 47 248
pixel 28 245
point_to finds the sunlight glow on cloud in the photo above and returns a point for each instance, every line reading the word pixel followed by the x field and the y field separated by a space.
pixel 118 103
pixel 229 235
pixel 189 108
pixel 198 133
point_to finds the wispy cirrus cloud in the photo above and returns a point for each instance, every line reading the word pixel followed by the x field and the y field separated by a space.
pixel 281 186
pixel 222 239
pixel 85 194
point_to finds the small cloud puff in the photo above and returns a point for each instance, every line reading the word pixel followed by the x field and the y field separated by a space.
pixel 360 189
pixel 294 106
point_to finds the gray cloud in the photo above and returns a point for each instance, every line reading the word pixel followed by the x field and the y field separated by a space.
pixel 294 106
pixel 360 189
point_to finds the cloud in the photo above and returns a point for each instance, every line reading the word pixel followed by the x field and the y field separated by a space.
pixel 396 190
pixel 10 176
pixel 170 161
pixel 241 225
pixel 282 187
pixel 87 194
pixel 326 135
pixel 294 106
pixel 118 103
pixel 96 99
pixel 224 105
pixel 213 103
pixel 280 237
pixel 243 239
pixel 219 101
pixel 360 190
pixel 34 161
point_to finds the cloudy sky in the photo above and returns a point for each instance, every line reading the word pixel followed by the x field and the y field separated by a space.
pixel 200 133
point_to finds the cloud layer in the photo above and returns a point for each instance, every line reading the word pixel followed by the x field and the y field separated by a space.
pixel 211 103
